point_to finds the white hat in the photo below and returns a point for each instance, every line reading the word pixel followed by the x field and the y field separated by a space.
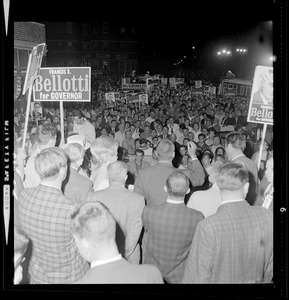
pixel 80 139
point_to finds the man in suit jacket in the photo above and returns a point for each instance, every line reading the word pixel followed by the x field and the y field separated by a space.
pixel 94 231
pixel 235 245
pixel 165 133
pixel 151 181
pixel 44 214
pixel 236 144
pixel 76 187
pixel 126 207
pixel 169 230
pixel 138 163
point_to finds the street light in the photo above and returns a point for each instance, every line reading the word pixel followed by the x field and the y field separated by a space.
pixel 241 51
pixel 223 54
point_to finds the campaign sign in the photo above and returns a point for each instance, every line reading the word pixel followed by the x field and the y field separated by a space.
pixel 198 84
pixel 237 86
pixel 261 101
pixel 63 84
pixel 134 86
pixel 179 80
pixel 143 98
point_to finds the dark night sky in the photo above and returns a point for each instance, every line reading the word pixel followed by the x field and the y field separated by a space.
pixel 166 29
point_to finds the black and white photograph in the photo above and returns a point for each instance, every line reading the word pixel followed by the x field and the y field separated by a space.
pixel 140 146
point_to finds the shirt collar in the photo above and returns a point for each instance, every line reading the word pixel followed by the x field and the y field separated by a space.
pixel 165 161
pixel 50 185
pixel 105 261
pixel 174 201
pixel 232 201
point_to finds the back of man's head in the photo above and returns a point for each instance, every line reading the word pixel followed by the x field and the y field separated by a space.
pixel 165 149
pixel 237 140
pixel 104 149
pixel 49 162
pixel 45 133
pixel 177 185
pixel 117 172
pixel 94 222
pixel 74 151
pixel 232 176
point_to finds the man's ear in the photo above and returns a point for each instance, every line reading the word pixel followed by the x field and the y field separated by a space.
pixel 246 188
pixel 165 189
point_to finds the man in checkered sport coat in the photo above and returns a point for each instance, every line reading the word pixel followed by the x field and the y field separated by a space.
pixel 235 245
pixel 44 214
pixel 169 229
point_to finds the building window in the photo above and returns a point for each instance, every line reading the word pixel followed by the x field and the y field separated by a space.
pixel 59 44
pixel 69 46
pixel 23 58
pixel 69 27
pixel 95 45
pixel 122 30
pixel 70 63
pixel 105 27
pixel 105 47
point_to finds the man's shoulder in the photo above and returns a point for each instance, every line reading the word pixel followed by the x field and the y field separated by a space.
pixel 247 161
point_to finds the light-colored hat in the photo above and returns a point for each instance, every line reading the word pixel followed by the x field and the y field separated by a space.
pixel 80 139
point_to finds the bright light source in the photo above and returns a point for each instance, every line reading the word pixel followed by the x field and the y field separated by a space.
pixel 193 47
pixel 238 50
pixel 272 58
pixel 228 52
pixel 245 50
pixel 185 57
pixel 224 51
pixel 219 53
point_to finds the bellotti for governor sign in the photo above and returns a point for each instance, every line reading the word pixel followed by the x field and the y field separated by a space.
pixel 261 102
pixel 63 84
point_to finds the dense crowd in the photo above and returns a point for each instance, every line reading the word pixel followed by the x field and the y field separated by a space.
pixel 159 193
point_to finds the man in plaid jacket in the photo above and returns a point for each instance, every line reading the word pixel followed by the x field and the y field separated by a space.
pixel 44 214
pixel 235 245
pixel 169 230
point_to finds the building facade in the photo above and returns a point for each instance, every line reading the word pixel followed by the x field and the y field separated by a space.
pixel 107 47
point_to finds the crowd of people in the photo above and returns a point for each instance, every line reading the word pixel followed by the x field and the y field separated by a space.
pixel 168 192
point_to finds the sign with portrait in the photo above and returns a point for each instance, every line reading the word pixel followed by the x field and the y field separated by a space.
pixel 261 101
pixel 143 98
pixel 198 84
